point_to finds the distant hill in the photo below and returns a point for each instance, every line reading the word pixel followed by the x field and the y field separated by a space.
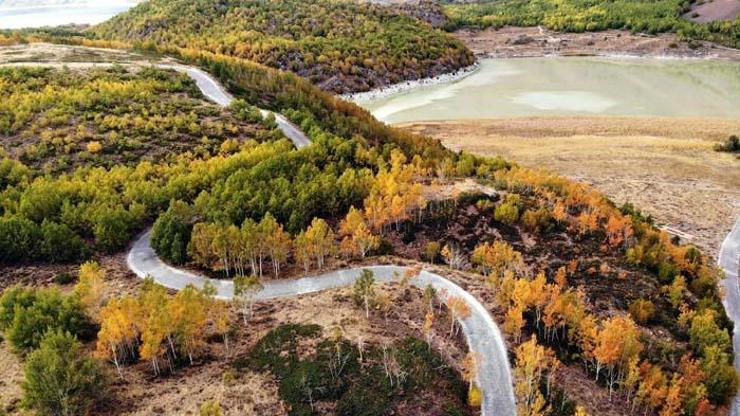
pixel 340 46
pixel 10 4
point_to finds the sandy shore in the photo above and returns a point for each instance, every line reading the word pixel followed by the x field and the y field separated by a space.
pixel 520 42
pixel 381 92
pixel 665 166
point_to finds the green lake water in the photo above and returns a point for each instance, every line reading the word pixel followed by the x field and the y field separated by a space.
pixel 572 86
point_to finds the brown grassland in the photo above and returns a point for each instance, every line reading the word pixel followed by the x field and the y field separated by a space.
pixel 665 166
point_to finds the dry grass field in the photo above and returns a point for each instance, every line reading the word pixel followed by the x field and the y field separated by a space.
pixel 665 166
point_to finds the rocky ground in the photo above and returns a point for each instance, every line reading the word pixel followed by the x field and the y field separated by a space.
pixel 515 42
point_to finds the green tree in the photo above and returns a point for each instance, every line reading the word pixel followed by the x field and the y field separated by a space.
pixel 60 244
pixel 364 290
pixel 171 232
pixel 60 379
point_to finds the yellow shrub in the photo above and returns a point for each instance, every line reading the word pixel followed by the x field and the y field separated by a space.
pixel 94 147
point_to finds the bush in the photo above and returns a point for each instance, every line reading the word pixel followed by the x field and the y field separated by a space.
pixel 60 244
pixel 60 379
pixel 63 278
pixel 27 314
pixel 642 310
pixel 19 239
pixel 210 408
pixel 431 252
pixel 731 145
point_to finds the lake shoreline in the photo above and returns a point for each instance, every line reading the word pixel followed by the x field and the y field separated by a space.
pixel 385 91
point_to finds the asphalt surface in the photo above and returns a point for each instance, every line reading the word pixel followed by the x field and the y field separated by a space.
pixel 729 261
pixel 481 332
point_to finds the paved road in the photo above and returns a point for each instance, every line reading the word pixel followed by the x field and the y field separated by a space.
pixel 210 88
pixel 729 261
pixel 483 336
pixel 216 93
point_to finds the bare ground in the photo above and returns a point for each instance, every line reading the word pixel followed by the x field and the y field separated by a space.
pixel 516 42
pixel 665 166
pixel 713 10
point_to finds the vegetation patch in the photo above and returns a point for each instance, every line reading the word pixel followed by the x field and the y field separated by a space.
pixel 314 372
pixel 340 46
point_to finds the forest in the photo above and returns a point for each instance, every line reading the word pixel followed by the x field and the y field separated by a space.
pixel 339 46
pixel 573 280
pixel 53 120
pixel 584 15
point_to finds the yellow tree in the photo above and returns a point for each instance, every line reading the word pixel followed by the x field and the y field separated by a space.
pixel 188 311
pixel 320 240
pixel 304 253
pixel 531 362
pixel 497 258
pixel 459 310
pixel 117 339
pixel 357 237
pixel 616 344
pixel 90 287
pixel 470 373
pixel 277 241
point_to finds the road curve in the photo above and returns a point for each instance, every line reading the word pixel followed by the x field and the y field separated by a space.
pixel 209 87
pixel 729 261
pixel 481 332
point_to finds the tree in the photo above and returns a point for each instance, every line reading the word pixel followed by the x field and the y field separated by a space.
pixel 60 379
pixel 90 287
pixel 459 310
pixel 277 241
pixel 320 241
pixel 118 337
pixel 357 237
pixel 303 251
pixel 496 258
pixel 454 257
pixel 531 362
pixel 172 231
pixel 364 290
pixel 616 344
pixel 245 291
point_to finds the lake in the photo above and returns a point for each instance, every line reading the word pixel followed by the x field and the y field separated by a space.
pixel 555 86
pixel 55 15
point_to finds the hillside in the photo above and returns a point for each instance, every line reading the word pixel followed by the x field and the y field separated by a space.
pixel 339 46
pixel 602 312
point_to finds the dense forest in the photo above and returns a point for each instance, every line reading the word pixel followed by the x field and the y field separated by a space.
pixel 339 46
pixel 584 15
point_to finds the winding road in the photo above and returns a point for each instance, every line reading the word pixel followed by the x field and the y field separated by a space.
pixel 729 261
pixel 481 332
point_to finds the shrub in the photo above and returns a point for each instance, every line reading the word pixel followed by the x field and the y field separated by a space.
pixel 432 252
pixel 642 310
pixel 27 314
pixel 60 379
pixel 94 147
pixel 19 239
pixel 60 244
pixel 63 278
pixel 731 145
pixel 210 408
